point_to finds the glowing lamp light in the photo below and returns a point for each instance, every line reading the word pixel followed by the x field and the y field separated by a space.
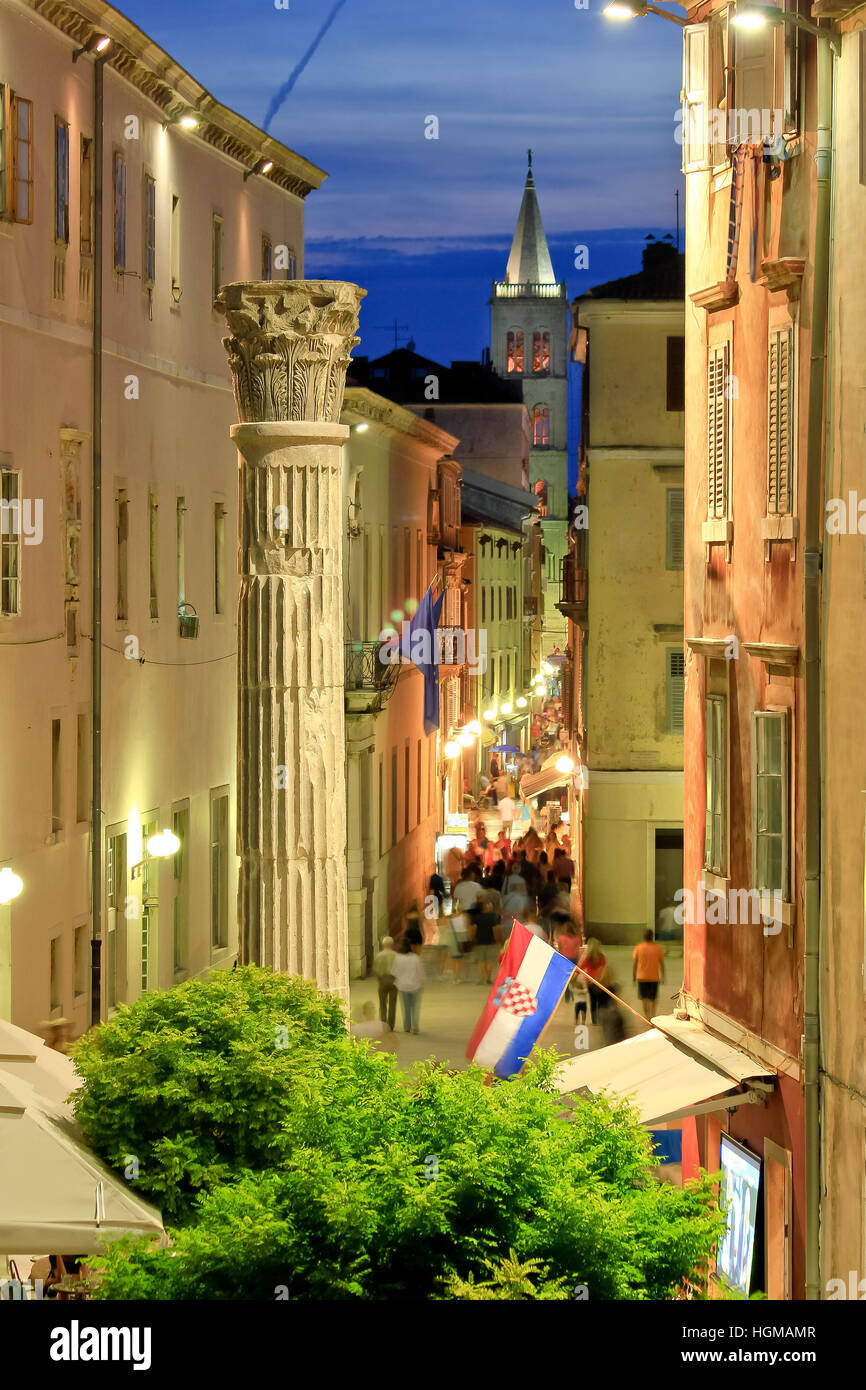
pixel 466 739
pixel 359 429
pixel 163 845
pixel 102 43
pixel 520 702
pixel 749 19
pixel 10 885
pixel 452 748
pixel 489 714
pixel 620 9
pixel 474 727
pixel 507 707
pixel 189 122
pixel 565 764
pixel 547 668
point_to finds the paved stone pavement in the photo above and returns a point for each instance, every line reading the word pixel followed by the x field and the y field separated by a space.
pixel 450 1011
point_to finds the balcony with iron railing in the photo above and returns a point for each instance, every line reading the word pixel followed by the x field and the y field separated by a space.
pixel 526 289
pixel 574 603
pixel 369 681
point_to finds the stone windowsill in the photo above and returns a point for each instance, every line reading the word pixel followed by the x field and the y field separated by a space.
pixel 780 528
pixel 717 532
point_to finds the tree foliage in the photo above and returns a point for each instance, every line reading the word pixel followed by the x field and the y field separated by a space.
pixel 320 1171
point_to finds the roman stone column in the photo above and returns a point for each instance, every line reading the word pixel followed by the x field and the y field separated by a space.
pixel 289 345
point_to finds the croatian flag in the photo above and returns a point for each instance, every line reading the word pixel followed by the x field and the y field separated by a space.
pixel 531 981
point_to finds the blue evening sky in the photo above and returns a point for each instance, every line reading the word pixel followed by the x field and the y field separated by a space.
pixel 425 225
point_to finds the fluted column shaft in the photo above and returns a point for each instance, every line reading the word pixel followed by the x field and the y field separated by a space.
pixel 291 739
pixel 288 350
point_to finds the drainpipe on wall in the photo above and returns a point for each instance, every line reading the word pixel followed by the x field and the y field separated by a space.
pixel 96 562
pixel 814 536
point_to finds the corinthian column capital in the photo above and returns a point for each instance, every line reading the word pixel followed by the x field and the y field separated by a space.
pixel 289 345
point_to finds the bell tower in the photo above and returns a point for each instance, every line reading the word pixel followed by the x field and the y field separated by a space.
pixel 529 325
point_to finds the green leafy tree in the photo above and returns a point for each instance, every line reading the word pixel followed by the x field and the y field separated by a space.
pixel 320 1171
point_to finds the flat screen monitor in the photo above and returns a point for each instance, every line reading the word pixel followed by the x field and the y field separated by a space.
pixel 741 1181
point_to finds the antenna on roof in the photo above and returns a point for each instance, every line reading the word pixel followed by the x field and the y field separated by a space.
pixel 529 152
pixel 397 328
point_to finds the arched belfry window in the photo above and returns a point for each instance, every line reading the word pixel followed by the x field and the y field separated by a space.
pixel 514 351
pixel 541 351
pixel 541 427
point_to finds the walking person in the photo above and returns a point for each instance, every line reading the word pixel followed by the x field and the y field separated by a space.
pixel 593 962
pixel 383 963
pixel 408 972
pixel 485 949
pixel 648 969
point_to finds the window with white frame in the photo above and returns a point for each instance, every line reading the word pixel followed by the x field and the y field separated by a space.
pixel 716 740
pixel 770 807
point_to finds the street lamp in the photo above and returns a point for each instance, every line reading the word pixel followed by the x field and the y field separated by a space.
pixel 520 702
pixel 466 739
pixel 10 885
pixel 264 166
pixel 565 764
pixel 474 727
pixel 636 9
pixel 160 846
pixel 761 16
pixel 97 43
pixel 507 707
pixel 452 748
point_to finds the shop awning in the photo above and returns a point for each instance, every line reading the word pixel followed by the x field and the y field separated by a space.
pixel 669 1072
pixel 547 777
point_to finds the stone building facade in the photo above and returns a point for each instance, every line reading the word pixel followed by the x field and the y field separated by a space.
pixel 179 221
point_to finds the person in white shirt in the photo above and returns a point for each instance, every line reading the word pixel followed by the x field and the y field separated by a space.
pixel 408 972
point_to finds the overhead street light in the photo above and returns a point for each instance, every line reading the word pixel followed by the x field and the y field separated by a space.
pixel 636 9
pixel 97 43
pixel 763 16
pixel 162 845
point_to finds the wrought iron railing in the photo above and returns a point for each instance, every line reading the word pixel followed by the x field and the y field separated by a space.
pixel 365 670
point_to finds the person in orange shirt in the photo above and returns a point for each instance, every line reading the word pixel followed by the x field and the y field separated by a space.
pixel 648 968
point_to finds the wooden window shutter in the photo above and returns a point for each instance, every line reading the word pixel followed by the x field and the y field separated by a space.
pixel 675 528
pixel 676 677
pixel 717 432
pixel 780 481
pixel 696 51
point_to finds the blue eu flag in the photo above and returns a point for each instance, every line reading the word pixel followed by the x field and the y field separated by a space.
pixel 419 645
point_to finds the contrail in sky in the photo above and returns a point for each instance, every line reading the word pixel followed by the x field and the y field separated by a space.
pixel 280 96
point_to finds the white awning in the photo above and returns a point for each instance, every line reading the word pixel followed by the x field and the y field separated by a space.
pixel 547 777
pixel 667 1079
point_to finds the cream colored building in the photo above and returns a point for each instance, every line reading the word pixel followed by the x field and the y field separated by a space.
pixel 179 220
pixel 625 597
pixel 842 955
pixel 402 508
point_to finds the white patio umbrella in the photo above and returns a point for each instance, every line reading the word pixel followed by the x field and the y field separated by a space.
pixel 55 1195
pixel 28 1057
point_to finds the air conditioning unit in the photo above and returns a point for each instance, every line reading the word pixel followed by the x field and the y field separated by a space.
pixel 187 621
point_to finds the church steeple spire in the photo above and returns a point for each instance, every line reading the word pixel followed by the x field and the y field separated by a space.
pixel 529 261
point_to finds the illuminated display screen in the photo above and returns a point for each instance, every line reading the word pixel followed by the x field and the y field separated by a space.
pixel 741 1172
